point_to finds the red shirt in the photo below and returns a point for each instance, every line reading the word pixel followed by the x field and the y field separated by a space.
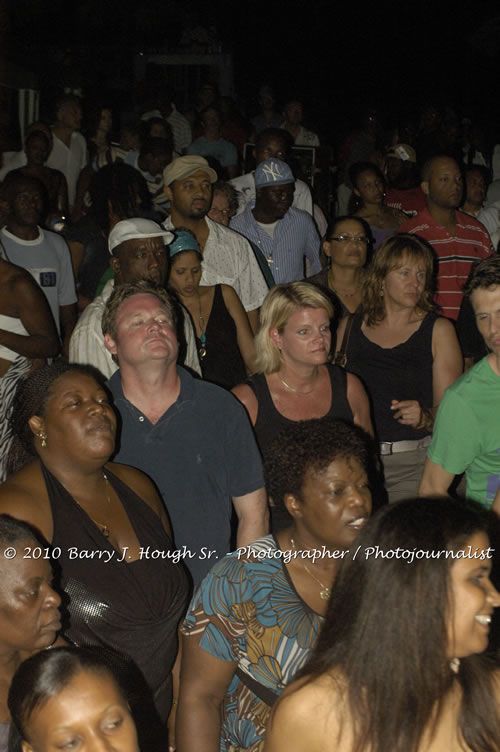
pixel 411 200
pixel 455 254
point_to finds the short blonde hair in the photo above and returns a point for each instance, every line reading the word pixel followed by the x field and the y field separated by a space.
pixel 391 254
pixel 280 303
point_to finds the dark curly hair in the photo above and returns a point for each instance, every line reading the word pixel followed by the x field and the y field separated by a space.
pixel 311 445
pixel 30 399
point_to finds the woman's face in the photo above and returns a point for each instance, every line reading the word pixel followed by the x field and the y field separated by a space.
pixel 185 273
pixel 347 245
pixel 369 188
pixel 29 607
pixel 334 504
pixel 404 285
pixel 472 599
pixel 306 337
pixel 106 121
pixel 79 422
pixel 158 130
pixel 88 715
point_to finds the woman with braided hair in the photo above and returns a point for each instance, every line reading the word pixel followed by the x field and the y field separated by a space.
pixel 98 516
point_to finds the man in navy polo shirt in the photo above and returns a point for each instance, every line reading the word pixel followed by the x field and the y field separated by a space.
pixel 191 437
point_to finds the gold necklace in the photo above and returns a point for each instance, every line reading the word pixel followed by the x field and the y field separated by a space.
pixel 296 390
pixel 103 528
pixel 325 591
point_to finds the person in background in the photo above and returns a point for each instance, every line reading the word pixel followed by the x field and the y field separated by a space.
pixel 405 635
pixel 368 186
pixel 223 335
pixel 43 253
pixel 286 237
pixel 224 203
pixel 475 190
pixel 457 239
pixel 69 149
pixel 293 113
pixel 212 144
pixel 37 147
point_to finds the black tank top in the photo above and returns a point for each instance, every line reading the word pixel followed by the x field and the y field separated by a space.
pixel 223 364
pixel 270 422
pixel 403 372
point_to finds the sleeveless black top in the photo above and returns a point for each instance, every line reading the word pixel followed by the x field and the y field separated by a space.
pixel 222 364
pixel 403 372
pixel 270 422
pixel 134 608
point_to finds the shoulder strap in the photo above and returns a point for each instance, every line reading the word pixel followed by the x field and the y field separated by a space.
pixel 266 694
pixel 340 358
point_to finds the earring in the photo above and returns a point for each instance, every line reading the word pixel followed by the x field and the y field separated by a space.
pixel 43 437
pixel 455 665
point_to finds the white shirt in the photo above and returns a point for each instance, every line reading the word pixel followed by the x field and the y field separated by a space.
pixel 87 341
pixel 245 185
pixel 304 137
pixel 69 161
pixel 228 259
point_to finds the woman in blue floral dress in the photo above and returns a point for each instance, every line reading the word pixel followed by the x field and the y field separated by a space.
pixel 255 618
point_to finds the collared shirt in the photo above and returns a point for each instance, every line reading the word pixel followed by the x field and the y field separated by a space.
pixel 295 238
pixel 228 259
pixel 87 341
pixel 48 260
pixel 201 454
pixel 455 254
pixel 69 161
pixel 245 185
pixel 181 129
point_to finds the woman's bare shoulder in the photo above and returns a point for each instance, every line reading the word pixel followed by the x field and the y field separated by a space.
pixel 307 716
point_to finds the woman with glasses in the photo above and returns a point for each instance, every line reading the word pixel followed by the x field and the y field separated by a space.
pixel 345 250
pixel 405 355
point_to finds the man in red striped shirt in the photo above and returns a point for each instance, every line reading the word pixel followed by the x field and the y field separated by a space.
pixel 457 238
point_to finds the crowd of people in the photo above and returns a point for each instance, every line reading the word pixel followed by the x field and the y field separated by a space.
pixel 249 461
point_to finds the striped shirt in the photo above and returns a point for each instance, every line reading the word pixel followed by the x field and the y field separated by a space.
pixel 455 254
pixel 295 238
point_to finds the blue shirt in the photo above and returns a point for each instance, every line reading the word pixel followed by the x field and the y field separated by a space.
pixel 295 238
pixel 200 454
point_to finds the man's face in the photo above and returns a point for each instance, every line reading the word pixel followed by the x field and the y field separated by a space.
pixel 70 115
pixel 293 113
pixel 276 200
pixel 191 197
pixel 211 119
pixel 486 304
pixel 444 187
pixel 156 163
pixel 271 148
pixel 141 259
pixel 144 332
pixel 475 187
pixel 37 149
pixel 26 205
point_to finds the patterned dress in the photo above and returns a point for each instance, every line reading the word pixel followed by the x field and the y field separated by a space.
pixel 248 611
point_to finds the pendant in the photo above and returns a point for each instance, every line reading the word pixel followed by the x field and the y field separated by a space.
pixel 325 594
pixel 269 260
pixel 203 350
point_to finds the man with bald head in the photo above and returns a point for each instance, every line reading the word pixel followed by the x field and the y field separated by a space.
pixel 458 239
